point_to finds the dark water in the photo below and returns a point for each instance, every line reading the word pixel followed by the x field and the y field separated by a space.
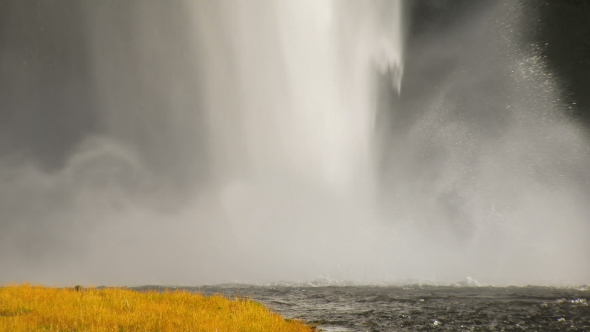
pixel 422 308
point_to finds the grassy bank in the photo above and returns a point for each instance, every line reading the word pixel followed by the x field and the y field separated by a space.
pixel 36 308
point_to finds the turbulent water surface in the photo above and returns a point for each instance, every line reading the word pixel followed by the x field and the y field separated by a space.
pixel 423 308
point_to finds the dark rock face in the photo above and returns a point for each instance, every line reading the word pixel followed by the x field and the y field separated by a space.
pixel 560 28
pixel 46 98
pixel 565 32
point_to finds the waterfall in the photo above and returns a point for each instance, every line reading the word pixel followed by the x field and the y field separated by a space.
pixel 288 140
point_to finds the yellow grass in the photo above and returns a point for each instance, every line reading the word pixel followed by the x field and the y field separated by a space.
pixel 37 308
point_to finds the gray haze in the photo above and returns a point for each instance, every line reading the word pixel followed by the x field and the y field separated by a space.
pixel 262 141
